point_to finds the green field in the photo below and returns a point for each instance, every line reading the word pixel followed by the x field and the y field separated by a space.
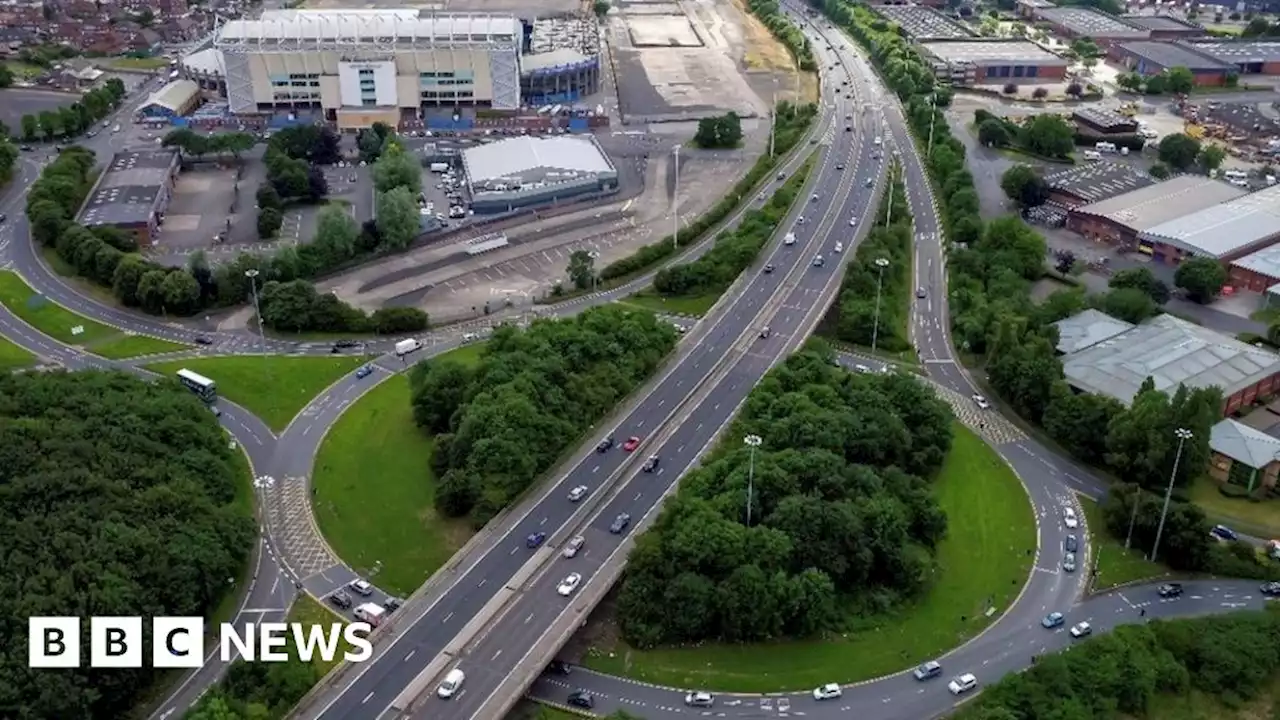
pixel 1260 518
pixel 273 387
pixel 308 610
pixel 13 357
pixel 375 492
pixel 148 63
pixel 61 324
pixel 1115 565
pixel 985 558
pixel 694 305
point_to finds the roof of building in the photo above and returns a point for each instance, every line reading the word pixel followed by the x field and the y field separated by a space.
pixel 548 60
pixel 1104 118
pixel 1083 21
pixel 1244 444
pixel 1098 181
pixel 924 23
pixel 536 159
pixel 1023 52
pixel 127 191
pixel 1087 328
pixel 1264 262
pixel 1172 352
pixel 1221 230
pixel 1161 22
pixel 1171 55
pixel 1239 51
pixel 208 60
pixel 1037 4
pixel 396 26
pixel 1147 207
pixel 175 96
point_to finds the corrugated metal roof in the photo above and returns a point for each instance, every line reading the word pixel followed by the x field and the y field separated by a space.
pixel 1150 206
pixel 517 156
pixel 1223 229
pixel 174 96
pixel 1244 444
pixel 1087 328
pixel 555 58
pixel 1172 352
pixel 1264 262
pixel 370 26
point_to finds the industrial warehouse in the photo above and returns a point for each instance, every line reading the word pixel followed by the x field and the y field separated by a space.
pixel 358 67
pixel 968 63
pixel 132 193
pixel 523 171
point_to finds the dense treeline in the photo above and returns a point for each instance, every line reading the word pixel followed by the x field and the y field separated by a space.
pixel 853 317
pixel 501 424
pixel 734 250
pixel 840 516
pixel 797 43
pixel 73 119
pixel 256 691
pixel 1119 674
pixel 110 258
pixel 119 498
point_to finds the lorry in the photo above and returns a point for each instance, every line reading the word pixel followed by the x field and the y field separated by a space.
pixel 371 613
pixel 438 167
pixel 406 346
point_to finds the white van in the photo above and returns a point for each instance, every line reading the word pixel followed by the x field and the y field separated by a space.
pixel 404 347
pixel 789 239
pixel 371 613
pixel 1235 175
pixel 1092 155
pixel 1105 147
pixel 452 682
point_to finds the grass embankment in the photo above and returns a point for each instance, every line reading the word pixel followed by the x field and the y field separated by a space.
pixel 1115 564
pixel 273 387
pixel 375 491
pixel 1260 518
pixel 131 63
pixel 692 306
pixel 70 328
pixel 984 558
pixel 309 611
pixel 13 357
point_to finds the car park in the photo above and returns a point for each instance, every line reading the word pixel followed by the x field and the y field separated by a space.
pixel 535 539
pixel 1069 518
pixel 631 444
pixel 1170 590
pixel 361 587
pixel 962 684
pixel 1053 620
pixel 1082 629
pixel 569 584
pixel 931 669
pixel 578 493
pixel 651 464
pixel 700 699
pixel 620 523
pixel 830 691
pixel 572 547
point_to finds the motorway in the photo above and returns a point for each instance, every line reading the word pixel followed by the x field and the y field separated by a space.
pixel 677 416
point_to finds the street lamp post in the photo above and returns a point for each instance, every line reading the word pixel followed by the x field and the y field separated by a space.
pixel 1183 435
pixel 753 442
pixel 675 203
pixel 773 119
pixel 1133 516
pixel 933 111
pixel 594 276
pixel 252 274
pixel 881 264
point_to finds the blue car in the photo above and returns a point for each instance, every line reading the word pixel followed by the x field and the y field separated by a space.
pixel 535 539
pixel 1222 532
pixel 364 372
pixel 1053 620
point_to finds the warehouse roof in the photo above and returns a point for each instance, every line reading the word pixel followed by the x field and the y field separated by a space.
pixel 1224 229
pixel 536 159
pixel 1239 51
pixel 1264 262
pixel 1171 55
pixel 554 59
pixel 1244 444
pixel 175 96
pixel 1087 328
pixel 1160 22
pixel 1153 205
pixel 129 189
pixel 1083 21
pixel 1023 52
pixel 1172 352
pixel 1098 181
pixel 922 23
pixel 1104 118
pixel 395 26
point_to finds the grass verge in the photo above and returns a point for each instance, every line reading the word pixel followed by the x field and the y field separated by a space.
pixel 309 611
pixel 693 306
pixel 129 63
pixel 373 472
pixel 983 562
pixel 1115 565
pixel 273 387
pixel 1260 518
pixel 129 346
pixel 13 357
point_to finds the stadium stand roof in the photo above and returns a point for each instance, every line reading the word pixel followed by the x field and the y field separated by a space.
pixel 380 26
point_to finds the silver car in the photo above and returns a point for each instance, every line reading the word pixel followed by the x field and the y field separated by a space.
pixel 572 547
pixel 1069 562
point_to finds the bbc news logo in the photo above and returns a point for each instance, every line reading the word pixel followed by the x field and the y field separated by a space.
pixel 178 642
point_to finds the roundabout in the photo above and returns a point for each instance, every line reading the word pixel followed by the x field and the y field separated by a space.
pixel 295 558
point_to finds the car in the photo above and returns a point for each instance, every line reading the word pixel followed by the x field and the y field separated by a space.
pixel 848 128
pixel 1222 532
pixel 1082 629
pixel 818 261
pixel 929 670
pixel 839 166
pixel 581 699
pixel 631 444
pixel 877 141
pixel 870 182
pixel 1069 518
pixel 27 148
pixel 1170 590
pixel 650 464
pixel 620 523
pixel 860 368
pixel 769 268
pixel 1271 589
pixel 217 411
pixel 839 248
pixel 569 584
pixel 364 371
pixel 202 340
pixel 3 217
pixel 853 222
pixel 572 547
pixel 920 293
pixel 392 604
pixel 800 220
pixel 535 539
pixel 578 493
pixel 605 444
pixel 361 587
pixel 700 699
pixel 814 198
pixel 340 600
pixel 1071 544
pixel 765 332
pixel 1053 620
pixel 981 402
pixel 830 691
pixel 1069 562
pixel 962 684
pixel 556 667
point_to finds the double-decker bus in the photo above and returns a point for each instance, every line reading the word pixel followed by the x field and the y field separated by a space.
pixel 203 387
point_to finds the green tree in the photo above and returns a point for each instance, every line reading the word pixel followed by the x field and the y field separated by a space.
pixel 724 131
pixel 1179 80
pixel 993 133
pixel 1129 304
pixel 1131 81
pixel 600 8
pixel 1144 280
pixel 1179 151
pixel 582 269
pixel 1211 157
pixel 397 168
pixel 1156 85
pixel 1048 135
pixel 6 76
pixel 269 222
pixel 1202 278
pixel 1024 186
pixel 336 233
pixel 30 127
pixel 1160 171
pixel 397 216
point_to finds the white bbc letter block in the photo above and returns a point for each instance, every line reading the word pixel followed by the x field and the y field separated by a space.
pixel 177 642
pixel 116 642
pixel 53 642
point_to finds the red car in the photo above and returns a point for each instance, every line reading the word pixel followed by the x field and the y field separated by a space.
pixel 632 443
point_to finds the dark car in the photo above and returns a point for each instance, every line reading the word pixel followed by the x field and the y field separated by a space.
pixel 1170 590
pixel 605 444
pixel 3 217
pixel 340 600
pixel 364 372
pixel 558 668
pixel 1271 589
pixel 1071 544
pixel 345 344
pixel 651 464
pixel 581 699
pixel 620 523
pixel 392 604
pixel 535 539
pixel 1222 532
pixel 202 340
pixel 26 148
pixel 768 269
